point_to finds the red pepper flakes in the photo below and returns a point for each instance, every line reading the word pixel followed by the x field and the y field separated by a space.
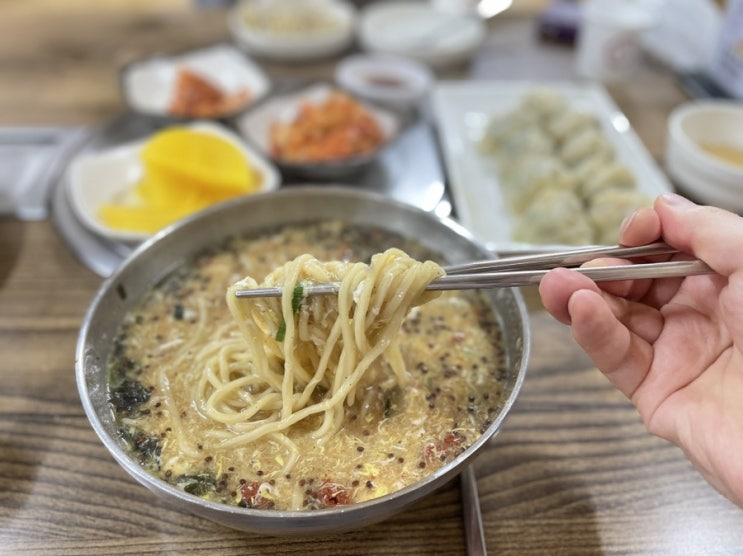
pixel 252 498
pixel 444 448
pixel 328 495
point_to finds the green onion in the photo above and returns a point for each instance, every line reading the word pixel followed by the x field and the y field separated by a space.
pixel 297 298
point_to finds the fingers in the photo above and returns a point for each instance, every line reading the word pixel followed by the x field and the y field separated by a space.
pixel 711 234
pixel 715 236
pixel 617 334
pixel 623 356
pixel 556 288
pixel 630 289
pixel 640 228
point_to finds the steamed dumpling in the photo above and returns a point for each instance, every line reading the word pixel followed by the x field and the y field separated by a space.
pixel 525 179
pixel 587 168
pixel 587 143
pixel 546 103
pixel 557 217
pixel 505 128
pixel 610 207
pixel 530 141
pixel 608 176
pixel 565 125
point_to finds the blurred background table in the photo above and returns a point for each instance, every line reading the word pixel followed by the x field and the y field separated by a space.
pixel 573 471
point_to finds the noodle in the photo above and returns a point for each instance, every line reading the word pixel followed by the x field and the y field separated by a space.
pixel 304 401
pixel 329 343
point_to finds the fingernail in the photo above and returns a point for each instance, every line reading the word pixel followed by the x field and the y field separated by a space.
pixel 675 200
pixel 626 222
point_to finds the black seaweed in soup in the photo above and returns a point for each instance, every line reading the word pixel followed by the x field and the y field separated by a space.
pixel 392 436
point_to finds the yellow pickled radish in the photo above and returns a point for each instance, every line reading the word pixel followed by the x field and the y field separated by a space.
pixel 184 170
pixel 198 159
pixel 140 218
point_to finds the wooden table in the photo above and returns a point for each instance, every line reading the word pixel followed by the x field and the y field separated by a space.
pixel 573 471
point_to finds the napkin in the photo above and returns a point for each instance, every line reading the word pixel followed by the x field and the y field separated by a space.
pixel 31 160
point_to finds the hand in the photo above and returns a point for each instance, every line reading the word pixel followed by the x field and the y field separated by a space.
pixel 673 346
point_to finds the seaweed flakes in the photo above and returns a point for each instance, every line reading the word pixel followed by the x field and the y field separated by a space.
pixel 129 396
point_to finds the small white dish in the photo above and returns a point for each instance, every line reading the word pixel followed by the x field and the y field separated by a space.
pixel 96 179
pixel 149 85
pixel 256 124
pixel 395 82
pixel 703 176
pixel 293 31
pixel 418 31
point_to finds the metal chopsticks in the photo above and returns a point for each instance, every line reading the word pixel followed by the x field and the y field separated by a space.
pixel 530 269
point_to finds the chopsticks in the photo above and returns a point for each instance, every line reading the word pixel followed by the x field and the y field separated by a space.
pixel 530 269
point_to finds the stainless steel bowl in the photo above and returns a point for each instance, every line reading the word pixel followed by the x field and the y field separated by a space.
pixel 172 247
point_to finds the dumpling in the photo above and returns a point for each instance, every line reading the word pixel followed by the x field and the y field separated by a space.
pixel 614 175
pixel 504 128
pixel 567 124
pixel 588 142
pixel 587 168
pixel 528 176
pixel 610 207
pixel 531 141
pixel 545 103
pixel 555 217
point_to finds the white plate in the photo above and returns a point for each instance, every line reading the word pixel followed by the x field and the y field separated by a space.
pixel 255 126
pixel 148 85
pixel 418 31
pixel 291 40
pixel 463 110
pixel 95 179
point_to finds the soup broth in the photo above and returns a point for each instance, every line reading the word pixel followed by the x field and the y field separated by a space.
pixel 392 436
pixel 729 154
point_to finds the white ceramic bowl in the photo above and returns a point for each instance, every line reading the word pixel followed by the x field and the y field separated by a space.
pixel 704 177
pixel 395 82
pixel 419 31
pixel 255 125
pixel 280 30
pixel 96 179
pixel 148 85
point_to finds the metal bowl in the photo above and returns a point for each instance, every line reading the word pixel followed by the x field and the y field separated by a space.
pixel 172 247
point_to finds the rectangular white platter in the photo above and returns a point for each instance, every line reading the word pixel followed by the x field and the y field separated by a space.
pixel 462 111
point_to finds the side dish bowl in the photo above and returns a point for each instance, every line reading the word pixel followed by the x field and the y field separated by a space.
pixel 256 126
pixel 395 82
pixel 419 31
pixel 707 177
pixel 172 247
pixel 150 86
pixel 96 179
pixel 292 31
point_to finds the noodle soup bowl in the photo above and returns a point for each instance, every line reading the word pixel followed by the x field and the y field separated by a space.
pixel 174 246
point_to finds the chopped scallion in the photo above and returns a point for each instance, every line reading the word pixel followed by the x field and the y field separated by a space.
pixel 297 298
